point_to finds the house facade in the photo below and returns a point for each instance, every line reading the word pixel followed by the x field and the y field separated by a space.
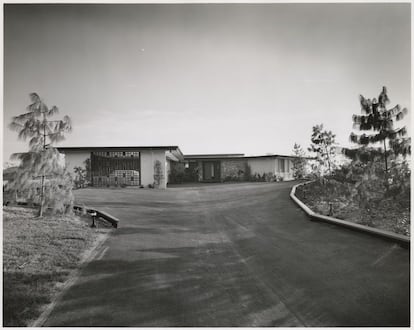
pixel 231 167
pixel 159 165
pixel 123 166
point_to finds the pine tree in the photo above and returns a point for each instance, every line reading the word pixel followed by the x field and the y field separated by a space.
pixel 379 120
pixel 42 161
pixel 323 144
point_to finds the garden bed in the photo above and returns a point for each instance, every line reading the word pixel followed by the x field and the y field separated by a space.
pixel 38 256
pixel 389 214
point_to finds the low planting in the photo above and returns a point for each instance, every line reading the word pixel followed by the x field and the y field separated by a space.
pixel 363 194
pixel 38 256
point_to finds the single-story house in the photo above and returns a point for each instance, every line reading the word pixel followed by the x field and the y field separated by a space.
pixel 159 165
pixel 129 166
pixel 231 167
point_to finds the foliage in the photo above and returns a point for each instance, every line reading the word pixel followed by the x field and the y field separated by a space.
pixel 83 174
pixel 364 204
pixel 362 189
pixel 323 144
pixel 80 177
pixel 57 185
pixel 179 173
pixel 299 162
pixel 265 177
pixel 369 185
pixel 238 176
pixel 158 175
pixel 380 120
pixel 399 183
pixel 42 174
pixel 88 172
pixel 10 164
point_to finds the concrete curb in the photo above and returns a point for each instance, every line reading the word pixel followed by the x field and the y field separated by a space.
pixel 87 257
pixel 404 240
pixel 100 214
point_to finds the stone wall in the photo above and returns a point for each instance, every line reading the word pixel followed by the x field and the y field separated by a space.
pixel 233 169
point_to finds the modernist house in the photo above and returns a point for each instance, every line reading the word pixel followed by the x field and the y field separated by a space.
pixel 234 167
pixel 159 165
pixel 130 166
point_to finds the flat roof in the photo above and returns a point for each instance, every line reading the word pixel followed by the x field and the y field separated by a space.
pixel 235 156
pixel 126 148
pixel 209 156
pixel 174 150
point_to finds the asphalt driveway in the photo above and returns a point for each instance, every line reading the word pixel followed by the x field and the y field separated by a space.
pixel 232 255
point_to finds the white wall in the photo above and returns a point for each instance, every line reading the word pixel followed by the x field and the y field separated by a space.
pixel 76 158
pixel 271 165
pixel 148 158
pixel 167 168
pixel 288 174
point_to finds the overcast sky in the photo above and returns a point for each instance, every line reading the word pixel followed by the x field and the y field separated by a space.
pixel 209 78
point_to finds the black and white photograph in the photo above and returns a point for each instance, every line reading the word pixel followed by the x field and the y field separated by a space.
pixel 206 164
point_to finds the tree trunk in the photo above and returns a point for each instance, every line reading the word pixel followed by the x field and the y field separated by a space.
pixel 386 167
pixel 385 157
pixel 42 192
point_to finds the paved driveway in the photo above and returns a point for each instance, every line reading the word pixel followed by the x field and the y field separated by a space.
pixel 232 255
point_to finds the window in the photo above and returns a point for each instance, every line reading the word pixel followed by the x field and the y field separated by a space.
pixel 123 175
pixel 132 178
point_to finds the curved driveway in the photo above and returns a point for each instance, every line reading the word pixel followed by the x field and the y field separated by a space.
pixel 232 255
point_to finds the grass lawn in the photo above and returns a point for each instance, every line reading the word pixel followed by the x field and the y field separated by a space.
pixel 38 256
pixel 388 214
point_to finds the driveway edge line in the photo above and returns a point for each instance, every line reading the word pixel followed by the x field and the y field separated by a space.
pixel 87 257
pixel 370 230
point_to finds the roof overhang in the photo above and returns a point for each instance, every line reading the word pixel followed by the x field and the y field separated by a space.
pixel 212 156
pixel 122 148
pixel 174 155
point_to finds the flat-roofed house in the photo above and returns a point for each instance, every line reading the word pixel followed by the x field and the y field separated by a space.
pixel 128 166
pixel 233 167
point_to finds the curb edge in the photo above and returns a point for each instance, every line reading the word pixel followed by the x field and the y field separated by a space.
pixel 351 225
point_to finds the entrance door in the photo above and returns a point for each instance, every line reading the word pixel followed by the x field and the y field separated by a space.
pixel 211 171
